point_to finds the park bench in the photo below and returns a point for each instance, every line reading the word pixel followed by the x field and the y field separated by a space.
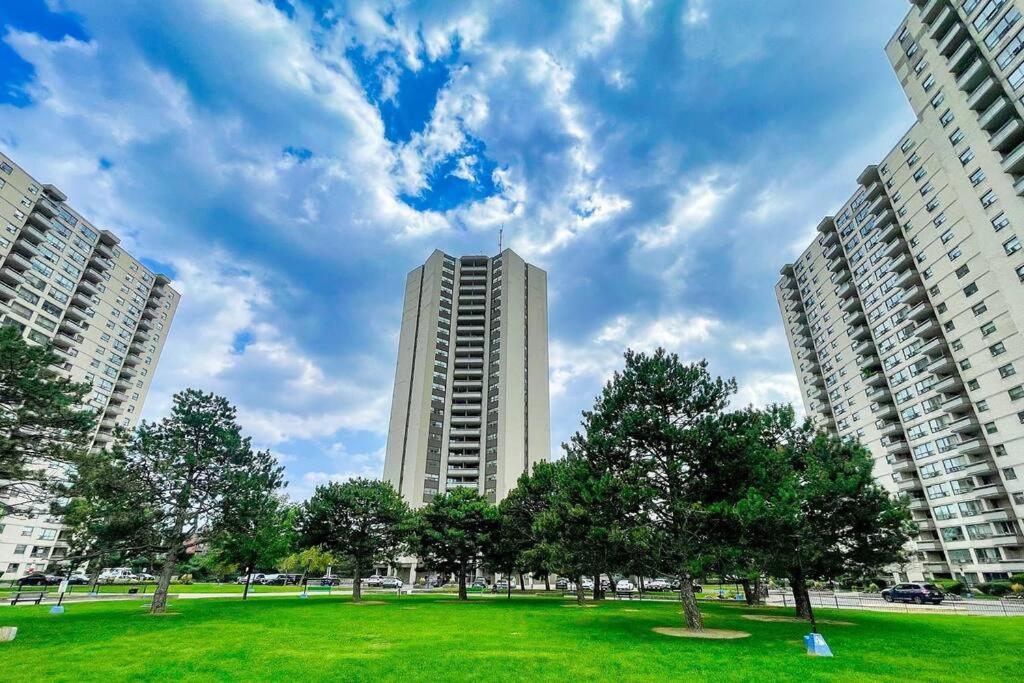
pixel 28 596
pixel 627 595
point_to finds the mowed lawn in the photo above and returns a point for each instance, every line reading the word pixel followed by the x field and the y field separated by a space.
pixel 435 638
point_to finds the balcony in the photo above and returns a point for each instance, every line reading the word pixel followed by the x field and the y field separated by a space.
pixel 842 276
pixel 958 59
pixel 1018 186
pixel 908 277
pixel 947 384
pixel 88 287
pixel 1008 136
pixel 875 379
pixel 879 394
pixel 31 234
pixel 942 364
pixel 887 224
pixel 865 347
pixel 855 317
pixel 921 311
pixel 11 276
pixel 995 116
pixel 901 262
pixel 877 206
pixel 463 471
pixel 832 252
pixel 40 221
pixel 894 248
pixel 45 207
pixel 985 94
pixel 883 410
pixel 897 447
pixel 915 294
pixel 1014 161
pixel 464 432
pixel 957 404
pixel 934 347
pixel 860 333
pixel 972 446
pixel 845 290
pixel 78 314
pixel 104 251
pixel 967 423
pixel 17 261
pixel 970 78
pixel 25 248
pixel 908 483
pixel 835 264
pixel 927 329
pixel 941 23
pixel 949 42
pixel 7 292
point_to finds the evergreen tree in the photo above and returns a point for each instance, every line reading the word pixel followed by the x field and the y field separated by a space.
pixel 362 521
pixel 44 428
pixel 451 532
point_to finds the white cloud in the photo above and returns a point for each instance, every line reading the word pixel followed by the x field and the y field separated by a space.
pixel 696 13
pixel 693 207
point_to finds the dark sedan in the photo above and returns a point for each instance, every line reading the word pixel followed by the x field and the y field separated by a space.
pixel 39 580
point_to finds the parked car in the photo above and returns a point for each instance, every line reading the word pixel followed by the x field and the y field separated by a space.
pixel 330 580
pixel 587 584
pixel 391 582
pixel 374 580
pixel 143 576
pixel 562 584
pixel 39 580
pixel 280 579
pixel 656 584
pixel 625 586
pixel 117 574
pixel 256 578
pixel 78 580
pixel 502 586
pixel 479 583
pixel 918 593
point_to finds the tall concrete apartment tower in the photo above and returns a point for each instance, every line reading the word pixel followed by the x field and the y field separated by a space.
pixel 905 315
pixel 66 282
pixel 470 405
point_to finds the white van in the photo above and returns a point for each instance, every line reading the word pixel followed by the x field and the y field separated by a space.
pixel 117 574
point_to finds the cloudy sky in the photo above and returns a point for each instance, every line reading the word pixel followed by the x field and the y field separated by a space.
pixel 287 162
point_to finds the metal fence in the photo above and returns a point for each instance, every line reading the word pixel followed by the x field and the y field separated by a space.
pixel 874 601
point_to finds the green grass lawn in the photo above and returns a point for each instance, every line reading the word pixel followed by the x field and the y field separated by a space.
pixel 436 638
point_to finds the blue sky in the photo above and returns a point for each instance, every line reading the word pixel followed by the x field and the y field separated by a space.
pixel 289 161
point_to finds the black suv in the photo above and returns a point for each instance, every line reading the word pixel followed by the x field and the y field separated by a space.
pixel 917 593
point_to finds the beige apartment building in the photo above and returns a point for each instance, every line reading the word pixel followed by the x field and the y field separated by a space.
pixel 66 282
pixel 470 405
pixel 904 315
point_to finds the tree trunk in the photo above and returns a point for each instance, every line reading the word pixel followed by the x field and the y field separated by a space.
pixel 94 580
pixel 800 595
pixel 462 584
pixel 748 591
pixel 248 580
pixel 547 582
pixel 640 582
pixel 691 612
pixel 522 582
pixel 163 584
pixel 357 583
pixel 579 589
pixel 508 587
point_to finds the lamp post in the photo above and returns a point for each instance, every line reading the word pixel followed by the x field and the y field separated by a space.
pixel 967 582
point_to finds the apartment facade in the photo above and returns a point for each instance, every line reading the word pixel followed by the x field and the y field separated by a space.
pixel 470 405
pixel 904 315
pixel 66 282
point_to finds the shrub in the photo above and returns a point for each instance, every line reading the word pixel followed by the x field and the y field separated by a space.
pixel 995 588
pixel 1017 589
pixel 1017 578
pixel 872 588
pixel 951 586
pixel 185 579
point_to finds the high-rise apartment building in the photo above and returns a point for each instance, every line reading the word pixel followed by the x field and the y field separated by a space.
pixel 904 315
pixel 470 405
pixel 66 282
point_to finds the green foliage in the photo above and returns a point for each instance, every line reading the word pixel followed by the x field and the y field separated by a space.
pixel 951 586
pixel 361 520
pixel 185 579
pixel 451 532
pixel 43 427
pixel 996 588
pixel 190 464
pixel 311 561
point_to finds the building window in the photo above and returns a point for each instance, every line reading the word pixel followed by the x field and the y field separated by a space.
pixel 1011 246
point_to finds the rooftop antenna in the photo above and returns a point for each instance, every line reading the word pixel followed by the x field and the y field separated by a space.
pixel 501 234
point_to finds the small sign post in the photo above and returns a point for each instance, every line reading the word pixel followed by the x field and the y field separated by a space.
pixel 61 590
